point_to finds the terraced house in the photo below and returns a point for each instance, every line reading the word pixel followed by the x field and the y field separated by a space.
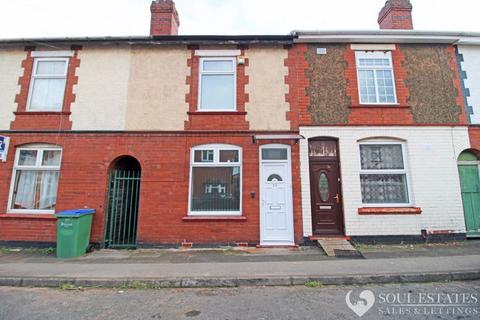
pixel 259 140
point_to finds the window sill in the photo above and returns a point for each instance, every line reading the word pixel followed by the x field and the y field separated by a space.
pixel 383 106
pixel 40 216
pixel 217 113
pixel 391 211
pixel 41 113
pixel 214 218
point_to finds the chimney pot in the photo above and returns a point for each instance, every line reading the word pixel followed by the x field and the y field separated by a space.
pixel 396 14
pixel 164 19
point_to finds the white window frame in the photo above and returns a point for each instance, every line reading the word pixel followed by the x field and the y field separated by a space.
pixel 375 55
pixel 233 72
pixel 216 163
pixel 57 76
pixel 37 167
pixel 404 171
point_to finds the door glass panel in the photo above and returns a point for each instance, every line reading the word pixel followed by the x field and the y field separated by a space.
pixel 323 187
pixel 323 149
pixel 274 177
pixel 274 154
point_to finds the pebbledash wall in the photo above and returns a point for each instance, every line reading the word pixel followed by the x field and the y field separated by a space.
pixel 431 157
pixel 136 100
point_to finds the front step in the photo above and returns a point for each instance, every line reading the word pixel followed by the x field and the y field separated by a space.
pixel 335 247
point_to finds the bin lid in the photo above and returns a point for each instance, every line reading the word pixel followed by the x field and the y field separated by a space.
pixel 75 213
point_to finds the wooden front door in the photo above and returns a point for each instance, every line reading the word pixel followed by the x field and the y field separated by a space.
pixel 470 184
pixel 325 190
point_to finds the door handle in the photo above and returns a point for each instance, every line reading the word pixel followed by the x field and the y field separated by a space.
pixel 337 197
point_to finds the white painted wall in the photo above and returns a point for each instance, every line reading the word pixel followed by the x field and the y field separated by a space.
pixel 471 64
pixel 10 70
pixel 431 154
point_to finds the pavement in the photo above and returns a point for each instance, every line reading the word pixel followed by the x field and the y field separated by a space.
pixel 233 267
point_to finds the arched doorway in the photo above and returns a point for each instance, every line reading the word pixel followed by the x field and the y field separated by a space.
pixel 122 203
pixel 468 169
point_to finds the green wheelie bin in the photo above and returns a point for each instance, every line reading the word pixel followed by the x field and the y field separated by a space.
pixel 73 232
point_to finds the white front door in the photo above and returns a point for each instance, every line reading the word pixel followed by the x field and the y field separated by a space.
pixel 276 209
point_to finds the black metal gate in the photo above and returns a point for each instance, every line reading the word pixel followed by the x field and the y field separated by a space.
pixel 122 209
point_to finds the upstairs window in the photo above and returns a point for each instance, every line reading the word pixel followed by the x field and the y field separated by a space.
pixel 47 86
pixel 383 174
pixel 215 180
pixel 35 179
pixel 217 84
pixel 376 84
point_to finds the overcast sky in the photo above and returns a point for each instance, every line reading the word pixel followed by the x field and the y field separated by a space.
pixel 71 18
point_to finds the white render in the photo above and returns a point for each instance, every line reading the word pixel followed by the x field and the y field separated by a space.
pixel 471 64
pixel 431 156
pixel 11 70
pixel 266 88
pixel 101 92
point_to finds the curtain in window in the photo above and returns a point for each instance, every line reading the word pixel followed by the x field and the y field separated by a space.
pixel 24 192
pixel 35 190
pixel 47 94
pixel 381 157
pixel 384 188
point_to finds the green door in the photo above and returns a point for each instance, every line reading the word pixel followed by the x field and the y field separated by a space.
pixel 470 184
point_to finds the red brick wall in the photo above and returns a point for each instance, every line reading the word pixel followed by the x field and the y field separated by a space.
pixel 474 133
pixel 396 14
pixel 397 19
pixel 297 82
pixel 44 120
pixel 463 118
pixel 164 18
pixel 164 188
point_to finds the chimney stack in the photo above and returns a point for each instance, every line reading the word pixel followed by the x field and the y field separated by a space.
pixel 396 14
pixel 164 20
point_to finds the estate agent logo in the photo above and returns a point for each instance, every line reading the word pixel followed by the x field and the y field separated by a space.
pixel 398 304
pixel 365 302
pixel 4 141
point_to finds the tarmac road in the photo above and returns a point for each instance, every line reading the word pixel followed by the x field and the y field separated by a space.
pixel 454 300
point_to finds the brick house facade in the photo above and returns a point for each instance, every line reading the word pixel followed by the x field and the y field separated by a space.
pixel 228 134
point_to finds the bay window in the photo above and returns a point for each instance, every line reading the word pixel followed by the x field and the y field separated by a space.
pixel 215 180
pixel 35 180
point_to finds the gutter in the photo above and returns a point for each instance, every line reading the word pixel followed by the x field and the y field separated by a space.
pixel 156 40
pixel 387 36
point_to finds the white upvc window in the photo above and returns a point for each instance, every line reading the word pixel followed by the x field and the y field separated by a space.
pixel 376 82
pixel 47 86
pixel 384 174
pixel 35 180
pixel 215 180
pixel 217 84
